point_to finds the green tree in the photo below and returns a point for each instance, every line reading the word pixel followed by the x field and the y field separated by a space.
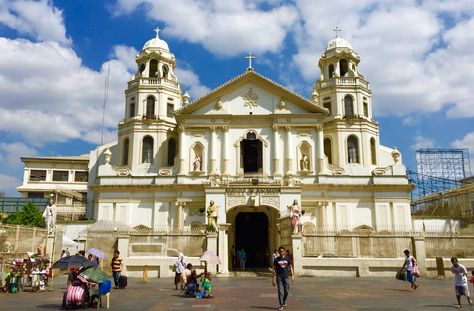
pixel 29 216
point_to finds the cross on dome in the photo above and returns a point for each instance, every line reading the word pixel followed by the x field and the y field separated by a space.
pixel 250 57
pixel 337 30
pixel 157 30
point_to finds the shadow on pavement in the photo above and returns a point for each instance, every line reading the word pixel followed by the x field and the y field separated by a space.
pixel 263 307
pixel 55 306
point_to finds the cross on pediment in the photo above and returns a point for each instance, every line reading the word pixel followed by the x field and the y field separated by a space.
pixel 250 57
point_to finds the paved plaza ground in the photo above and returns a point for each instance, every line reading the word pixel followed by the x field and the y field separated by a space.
pixel 257 293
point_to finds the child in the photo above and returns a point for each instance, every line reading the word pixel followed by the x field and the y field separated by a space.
pixel 471 279
pixel 460 281
pixel 206 286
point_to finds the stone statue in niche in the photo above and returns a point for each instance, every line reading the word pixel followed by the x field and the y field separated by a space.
pixel 197 163
pixel 304 162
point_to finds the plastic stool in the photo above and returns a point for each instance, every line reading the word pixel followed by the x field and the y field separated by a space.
pixel 107 300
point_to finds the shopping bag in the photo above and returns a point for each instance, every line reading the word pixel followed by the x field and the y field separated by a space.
pixel 401 275
pixel 415 271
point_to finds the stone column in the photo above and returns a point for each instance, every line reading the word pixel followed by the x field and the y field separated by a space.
pixel 238 164
pixel 336 69
pixel 123 242
pixel 212 246
pixel 419 251
pixel 225 151
pixel 212 152
pixel 182 151
pixel 276 153
pixel 320 150
pixel 179 223
pixel 224 248
pixel 297 253
pixel 289 150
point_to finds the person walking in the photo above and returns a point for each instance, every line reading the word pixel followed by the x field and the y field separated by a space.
pixel 281 267
pixel 242 258
pixel 116 265
pixel 180 267
pixel 460 281
pixel 410 262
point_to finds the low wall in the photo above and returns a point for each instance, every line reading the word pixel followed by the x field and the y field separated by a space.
pixel 157 266
pixel 368 267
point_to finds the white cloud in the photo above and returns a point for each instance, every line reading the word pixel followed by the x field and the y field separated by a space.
pixel 422 142
pixel 10 154
pixel 52 97
pixel 468 143
pixel 8 184
pixel 223 27
pixel 190 83
pixel 39 19
pixel 410 69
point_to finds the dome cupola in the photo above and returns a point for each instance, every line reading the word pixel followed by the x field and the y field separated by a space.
pixel 156 43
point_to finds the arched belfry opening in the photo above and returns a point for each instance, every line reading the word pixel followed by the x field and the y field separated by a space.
pixel 251 153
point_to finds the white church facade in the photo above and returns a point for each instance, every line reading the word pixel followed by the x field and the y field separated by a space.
pixel 252 147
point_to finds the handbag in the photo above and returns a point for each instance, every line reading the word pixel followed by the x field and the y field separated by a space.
pixel 415 271
pixel 401 275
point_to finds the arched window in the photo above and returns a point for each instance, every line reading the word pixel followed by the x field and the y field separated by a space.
pixel 331 72
pixel 126 146
pixel 372 151
pixel 150 106
pixel 147 150
pixel 352 150
pixel 348 106
pixel 166 70
pixel 328 149
pixel 171 151
pixel 153 68
pixel 343 68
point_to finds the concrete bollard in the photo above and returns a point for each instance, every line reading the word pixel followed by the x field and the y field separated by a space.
pixel 145 274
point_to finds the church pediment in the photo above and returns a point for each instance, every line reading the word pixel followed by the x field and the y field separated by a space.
pixel 250 94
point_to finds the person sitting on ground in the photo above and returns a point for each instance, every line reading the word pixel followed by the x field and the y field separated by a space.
pixel 186 273
pixel 207 286
pixel 192 285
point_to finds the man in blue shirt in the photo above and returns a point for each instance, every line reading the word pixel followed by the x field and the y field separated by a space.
pixel 281 267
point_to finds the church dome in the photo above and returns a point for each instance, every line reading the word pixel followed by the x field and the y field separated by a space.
pixel 156 42
pixel 338 43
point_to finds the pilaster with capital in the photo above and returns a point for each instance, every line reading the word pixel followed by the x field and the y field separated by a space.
pixel 225 151
pixel 320 150
pixel 276 152
pixel 224 253
pixel 289 149
pixel 182 156
pixel 179 224
pixel 212 151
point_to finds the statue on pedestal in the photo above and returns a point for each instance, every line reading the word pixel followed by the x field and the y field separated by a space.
pixel 49 215
pixel 212 225
pixel 295 214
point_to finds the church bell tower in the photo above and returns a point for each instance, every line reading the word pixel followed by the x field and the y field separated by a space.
pixel 351 136
pixel 146 136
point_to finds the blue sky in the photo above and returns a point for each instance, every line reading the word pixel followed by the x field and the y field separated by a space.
pixel 54 56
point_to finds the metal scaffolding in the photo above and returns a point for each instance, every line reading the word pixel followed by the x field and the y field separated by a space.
pixel 451 164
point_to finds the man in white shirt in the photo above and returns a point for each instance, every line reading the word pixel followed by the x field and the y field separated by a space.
pixel 460 281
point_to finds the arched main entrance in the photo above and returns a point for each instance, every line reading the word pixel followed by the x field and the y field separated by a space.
pixel 251 234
